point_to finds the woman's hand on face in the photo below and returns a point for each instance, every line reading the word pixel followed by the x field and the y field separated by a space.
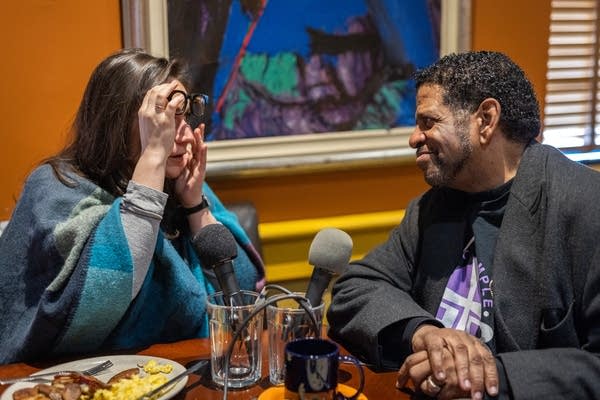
pixel 156 118
pixel 188 186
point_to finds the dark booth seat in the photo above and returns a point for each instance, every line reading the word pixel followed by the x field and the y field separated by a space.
pixel 248 217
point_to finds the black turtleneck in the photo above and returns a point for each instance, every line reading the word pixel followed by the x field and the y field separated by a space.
pixel 485 220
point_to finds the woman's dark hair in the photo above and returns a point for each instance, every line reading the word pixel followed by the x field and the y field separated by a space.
pixel 102 143
pixel 469 78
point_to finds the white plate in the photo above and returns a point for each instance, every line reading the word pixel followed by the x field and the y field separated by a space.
pixel 121 363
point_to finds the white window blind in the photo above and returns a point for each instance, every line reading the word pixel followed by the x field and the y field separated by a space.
pixel 571 117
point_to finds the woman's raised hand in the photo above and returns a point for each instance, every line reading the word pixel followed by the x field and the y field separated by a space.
pixel 156 123
pixel 156 119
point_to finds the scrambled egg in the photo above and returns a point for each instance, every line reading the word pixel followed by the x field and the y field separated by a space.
pixel 152 367
pixel 136 386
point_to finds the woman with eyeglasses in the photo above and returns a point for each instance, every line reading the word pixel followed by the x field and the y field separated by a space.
pixel 99 253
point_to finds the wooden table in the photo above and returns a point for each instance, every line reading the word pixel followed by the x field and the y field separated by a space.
pixel 377 385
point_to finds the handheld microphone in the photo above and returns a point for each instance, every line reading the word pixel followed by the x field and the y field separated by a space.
pixel 329 253
pixel 216 248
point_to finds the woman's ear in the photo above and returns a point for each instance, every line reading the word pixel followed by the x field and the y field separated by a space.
pixel 488 116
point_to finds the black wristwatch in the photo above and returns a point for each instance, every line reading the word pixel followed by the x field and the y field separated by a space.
pixel 203 204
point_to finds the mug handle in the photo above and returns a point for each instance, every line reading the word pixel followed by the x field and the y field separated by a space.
pixel 353 360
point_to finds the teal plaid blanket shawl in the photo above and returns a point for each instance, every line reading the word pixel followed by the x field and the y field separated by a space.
pixel 66 275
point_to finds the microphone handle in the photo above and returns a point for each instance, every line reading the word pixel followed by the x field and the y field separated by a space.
pixel 319 281
pixel 232 295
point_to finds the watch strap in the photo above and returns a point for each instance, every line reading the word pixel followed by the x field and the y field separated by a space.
pixel 203 204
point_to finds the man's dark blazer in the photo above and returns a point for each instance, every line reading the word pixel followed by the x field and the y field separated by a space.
pixel 546 274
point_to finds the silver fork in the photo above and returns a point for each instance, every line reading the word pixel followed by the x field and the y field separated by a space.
pixel 36 377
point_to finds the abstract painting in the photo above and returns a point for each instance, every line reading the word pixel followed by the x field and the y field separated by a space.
pixel 281 67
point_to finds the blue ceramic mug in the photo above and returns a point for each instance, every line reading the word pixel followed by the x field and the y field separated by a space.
pixel 311 370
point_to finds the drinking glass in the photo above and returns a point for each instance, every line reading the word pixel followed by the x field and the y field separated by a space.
pixel 287 321
pixel 224 321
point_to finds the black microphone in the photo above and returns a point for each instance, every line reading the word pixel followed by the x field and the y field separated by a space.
pixel 216 248
pixel 329 253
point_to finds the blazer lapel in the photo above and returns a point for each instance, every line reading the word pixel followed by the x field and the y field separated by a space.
pixel 517 267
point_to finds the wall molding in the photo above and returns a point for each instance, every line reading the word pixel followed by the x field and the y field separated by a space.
pixel 286 244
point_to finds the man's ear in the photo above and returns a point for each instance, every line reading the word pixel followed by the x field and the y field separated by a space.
pixel 488 117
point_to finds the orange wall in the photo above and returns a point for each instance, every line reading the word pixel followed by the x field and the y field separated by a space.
pixel 49 50
pixel 520 29
pixel 56 44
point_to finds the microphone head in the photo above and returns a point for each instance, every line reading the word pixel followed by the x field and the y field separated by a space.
pixel 331 249
pixel 215 245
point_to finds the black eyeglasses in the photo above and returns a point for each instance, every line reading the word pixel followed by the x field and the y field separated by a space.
pixel 189 104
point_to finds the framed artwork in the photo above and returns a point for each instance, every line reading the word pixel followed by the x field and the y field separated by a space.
pixel 303 84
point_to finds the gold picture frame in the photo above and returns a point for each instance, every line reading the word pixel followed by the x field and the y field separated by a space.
pixel 145 25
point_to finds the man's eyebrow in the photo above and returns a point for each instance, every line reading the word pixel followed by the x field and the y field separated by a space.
pixel 427 114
